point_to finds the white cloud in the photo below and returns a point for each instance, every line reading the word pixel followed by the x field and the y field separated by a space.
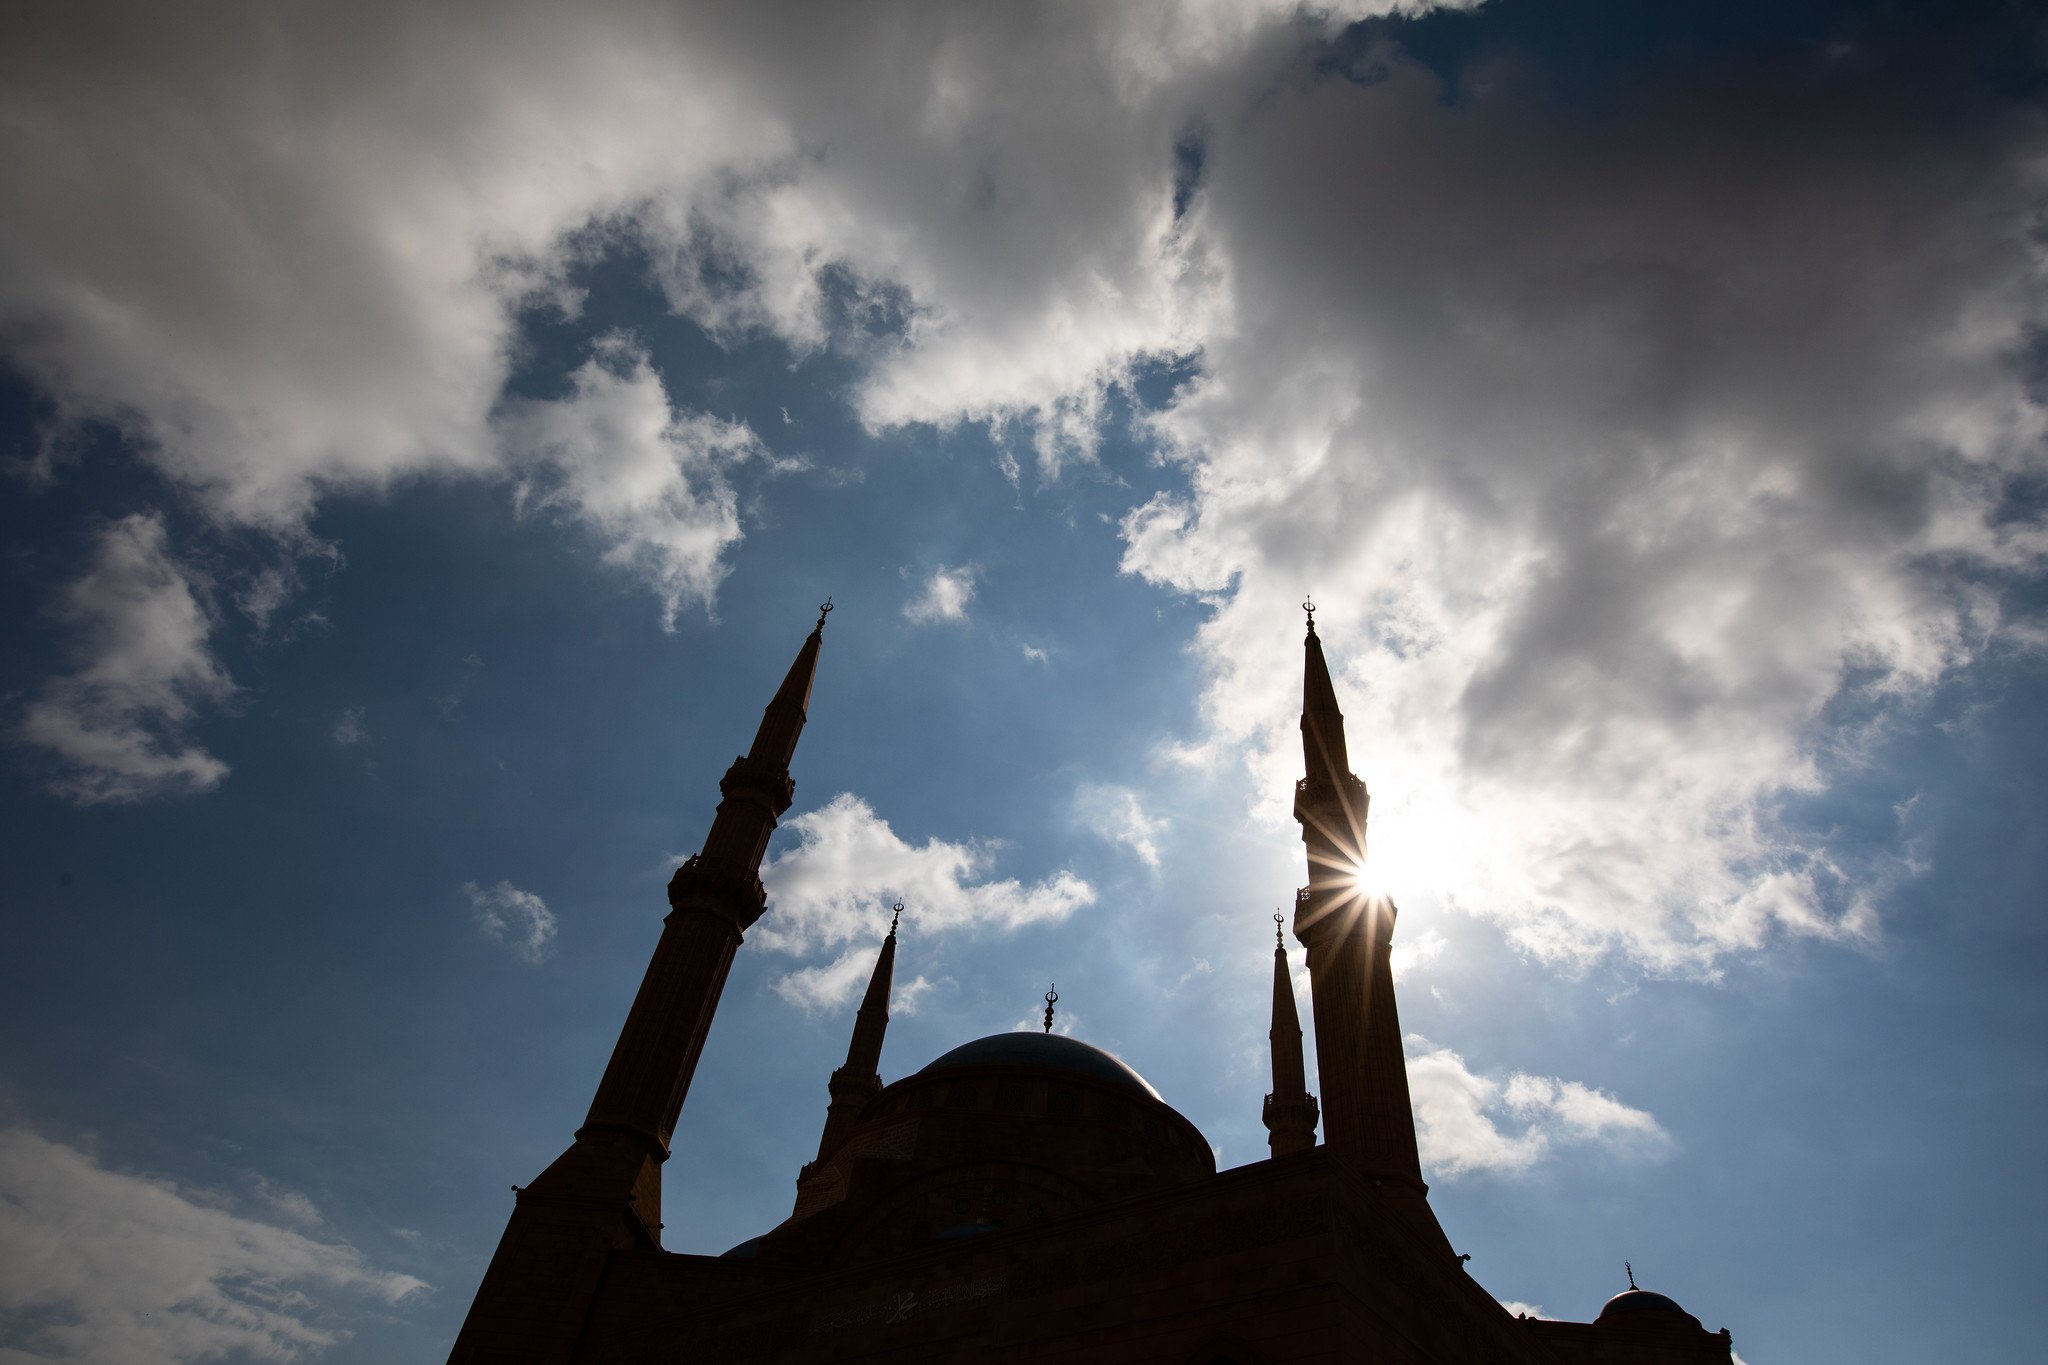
pixel 1034 654
pixel 1418 951
pixel 1116 815
pixel 1611 477
pixel 838 983
pixel 1520 1309
pixel 650 481
pixel 906 998
pixel 140 625
pixel 1614 472
pixel 847 865
pixel 349 729
pixel 519 920
pixel 118 1268
pixel 829 984
pixel 1468 1122
pixel 944 596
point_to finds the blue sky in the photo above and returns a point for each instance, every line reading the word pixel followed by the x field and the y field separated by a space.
pixel 428 433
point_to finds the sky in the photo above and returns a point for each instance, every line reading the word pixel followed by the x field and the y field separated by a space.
pixel 427 433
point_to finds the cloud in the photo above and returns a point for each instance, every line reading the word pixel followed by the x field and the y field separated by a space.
pixel 1417 951
pixel 847 865
pixel 1623 456
pixel 349 729
pixel 1034 653
pixel 944 597
pixel 519 920
pixel 1116 815
pixel 1467 1122
pixel 1626 454
pixel 838 983
pixel 140 625
pixel 648 480
pixel 118 1268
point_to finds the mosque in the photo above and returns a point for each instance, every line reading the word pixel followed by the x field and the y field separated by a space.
pixel 1027 1197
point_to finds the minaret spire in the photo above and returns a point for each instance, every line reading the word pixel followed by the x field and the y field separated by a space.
pixel 1348 933
pixel 604 1192
pixel 1290 1111
pixel 859 1080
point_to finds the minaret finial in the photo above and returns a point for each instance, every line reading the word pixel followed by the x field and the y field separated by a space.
pixel 896 917
pixel 1308 605
pixel 1278 940
pixel 1631 1274
pixel 824 610
pixel 1052 997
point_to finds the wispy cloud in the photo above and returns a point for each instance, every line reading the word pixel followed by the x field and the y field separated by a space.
pixel 349 729
pixel 117 1268
pixel 649 480
pixel 943 597
pixel 848 865
pixel 1465 1121
pixel 519 920
pixel 1115 814
pixel 140 628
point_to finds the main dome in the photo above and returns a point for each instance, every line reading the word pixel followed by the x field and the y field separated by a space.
pixel 1631 1302
pixel 1049 1051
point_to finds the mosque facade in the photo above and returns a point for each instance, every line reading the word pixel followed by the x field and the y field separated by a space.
pixel 1027 1197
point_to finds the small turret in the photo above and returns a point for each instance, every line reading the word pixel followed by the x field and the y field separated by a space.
pixel 859 1080
pixel 1290 1111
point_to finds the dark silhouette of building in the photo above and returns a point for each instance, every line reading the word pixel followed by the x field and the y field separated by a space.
pixel 1028 1197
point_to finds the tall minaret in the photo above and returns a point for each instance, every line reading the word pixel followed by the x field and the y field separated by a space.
pixel 1368 1124
pixel 604 1192
pixel 1290 1111
pixel 859 1081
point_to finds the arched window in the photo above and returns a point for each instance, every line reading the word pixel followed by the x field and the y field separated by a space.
pixel 960 1097
pixel 1011 1097
pixel 1062 1101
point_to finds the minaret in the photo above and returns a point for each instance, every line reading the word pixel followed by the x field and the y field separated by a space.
pixel 1290 1111
pixel 859 1081
pixel 604 1192
pixel 1368 1124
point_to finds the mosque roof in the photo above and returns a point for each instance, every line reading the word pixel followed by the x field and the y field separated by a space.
pixel 1046 1051
pixel 1632 1301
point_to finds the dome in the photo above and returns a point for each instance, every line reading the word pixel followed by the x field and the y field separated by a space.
pixel 1640 1304
pixel 1048 1051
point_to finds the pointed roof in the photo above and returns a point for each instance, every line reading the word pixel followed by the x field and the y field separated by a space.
pixel 1322 723
pixel 877 997
pixel 783 721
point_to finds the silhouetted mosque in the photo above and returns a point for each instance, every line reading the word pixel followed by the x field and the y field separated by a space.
pixel 1027 1197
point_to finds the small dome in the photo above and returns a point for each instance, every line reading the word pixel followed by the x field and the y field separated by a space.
pixel 1631 1302
pixel 1047 1050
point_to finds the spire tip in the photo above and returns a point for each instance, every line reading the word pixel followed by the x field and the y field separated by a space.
pixel 1279 943
pixel 824 610
pixel 895 917
pixel 1309 605
pixel 1052 997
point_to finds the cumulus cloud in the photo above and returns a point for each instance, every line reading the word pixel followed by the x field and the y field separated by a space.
pixel 847 865
pixel 1465 1121
pixel 1619 448
pixel 650 481
pixel 518 920
pixel 1617 452
pixel 943 597
pixel 140 625
pixel 119 1268
pixel 1116 815
pixel 840 982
